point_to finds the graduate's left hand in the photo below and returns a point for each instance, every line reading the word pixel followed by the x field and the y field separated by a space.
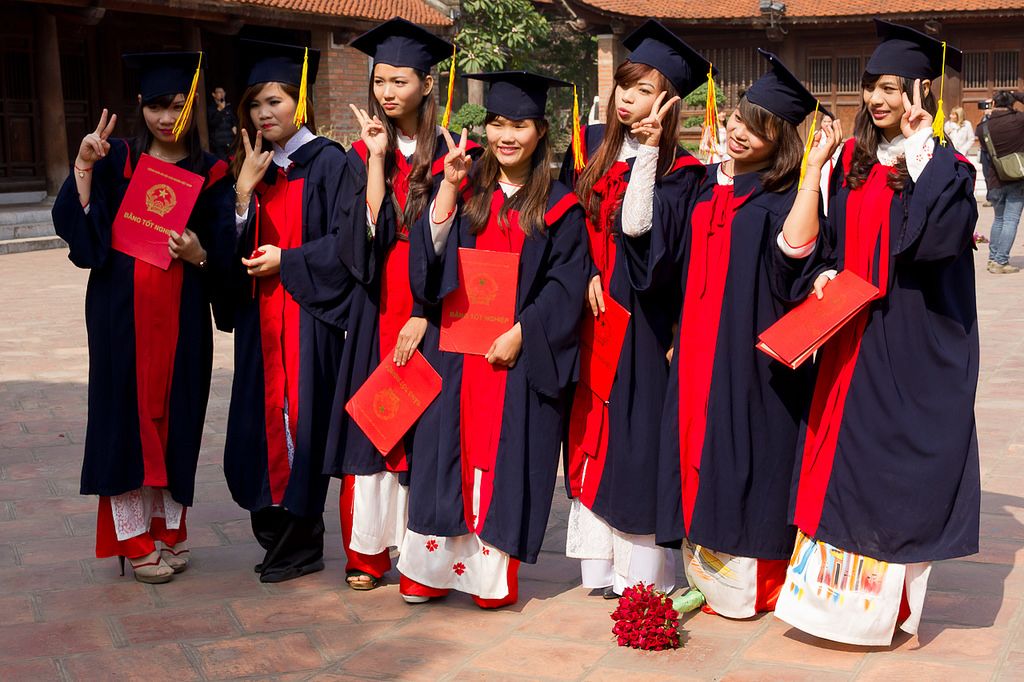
pixel 266 261
pixel 186 246
pixel 648 130
pixel 505 350
pixel 409 339
pixel 915 117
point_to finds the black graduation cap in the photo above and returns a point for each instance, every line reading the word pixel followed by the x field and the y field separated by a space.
pixel 517 95
pixel 656 46
pixel 164 73
pixel 782 93
pixel 402 43
pixel 278 63
pixel 908 53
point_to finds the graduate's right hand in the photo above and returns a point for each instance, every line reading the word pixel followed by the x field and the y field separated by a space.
pixel 254 165
pixel 409 339
pixel 648 130
pixel 94 145
pixel 505 350
pixel 456 162
pixel 265 261
pixel 372 132
pixel 595 295
pixel 821 282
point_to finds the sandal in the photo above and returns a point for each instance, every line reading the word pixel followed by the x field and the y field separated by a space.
pixel 178 560
pixel 363 581
pixel 150 569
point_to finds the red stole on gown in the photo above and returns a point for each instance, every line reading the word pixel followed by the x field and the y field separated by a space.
pixel 588 421
pixel 867 231
pixel 396 302
pixel 280 216
pixel 482 392
pixel 711 239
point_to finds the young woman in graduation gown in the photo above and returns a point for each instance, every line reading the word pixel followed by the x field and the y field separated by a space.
pixel 612 447
pixel 150 337
pixel 486 458
pixel 888 477
pixel 731 414
pixel 394 169
pixel 290 310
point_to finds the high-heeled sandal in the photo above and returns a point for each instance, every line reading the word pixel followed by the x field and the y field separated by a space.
pixel 154 572
pixel 178 560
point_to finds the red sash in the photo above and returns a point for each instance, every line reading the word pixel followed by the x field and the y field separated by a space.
pixel 867 230
pixel 281 218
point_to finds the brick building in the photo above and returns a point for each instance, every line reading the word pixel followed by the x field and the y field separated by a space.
pixel 60 65
pixel 826 44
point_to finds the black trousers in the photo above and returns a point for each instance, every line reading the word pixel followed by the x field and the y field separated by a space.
pixel 294 544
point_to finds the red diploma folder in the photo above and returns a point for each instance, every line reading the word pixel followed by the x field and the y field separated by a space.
pixel 392 398
pixel 159 200
pixel 484 306
pixel 803 330
pixel 600 345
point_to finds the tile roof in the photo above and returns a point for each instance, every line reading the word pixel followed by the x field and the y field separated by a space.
pixel 795 9
pixel 417 11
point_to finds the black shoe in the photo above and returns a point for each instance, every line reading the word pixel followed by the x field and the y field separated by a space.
pixel 258 568
pixel 609 593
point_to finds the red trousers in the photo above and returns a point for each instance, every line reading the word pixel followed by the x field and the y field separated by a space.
pixel 411 587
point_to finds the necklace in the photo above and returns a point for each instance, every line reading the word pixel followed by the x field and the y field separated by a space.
pixel 168 159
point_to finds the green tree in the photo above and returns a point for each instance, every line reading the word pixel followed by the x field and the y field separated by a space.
pixel 498 34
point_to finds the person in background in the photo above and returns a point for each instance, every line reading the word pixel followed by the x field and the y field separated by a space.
pixel 1005 124
pixel 222 124
pixel 960 131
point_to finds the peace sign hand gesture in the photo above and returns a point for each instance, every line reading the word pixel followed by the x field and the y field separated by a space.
pixel 821 152
pixel 915 117
pixel 648 130
pixel 94 145
pixel 457 162
pixel 254 165
pixel 371 132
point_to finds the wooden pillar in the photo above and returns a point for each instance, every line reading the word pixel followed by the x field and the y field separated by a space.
pixel 194 42
pixel 50 95
pixel 609 55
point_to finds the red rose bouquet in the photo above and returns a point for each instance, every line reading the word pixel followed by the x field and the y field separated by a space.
pixel 646 620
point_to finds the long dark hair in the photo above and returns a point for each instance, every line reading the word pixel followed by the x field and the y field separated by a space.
pixel 531 201
pixel 245 122
pixel 144 138
pixel 421 181
pixel 789 148
pixel 608 151
pixel 867 136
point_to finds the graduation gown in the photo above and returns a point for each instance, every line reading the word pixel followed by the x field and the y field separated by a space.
pixel 150 336
pixel 304 333
pixel 516 489
pixel 617 442
pixel 731 414
pixel 381 304
pixel 889 454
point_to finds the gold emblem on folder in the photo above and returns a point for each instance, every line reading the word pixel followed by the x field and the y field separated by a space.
pixel 160 199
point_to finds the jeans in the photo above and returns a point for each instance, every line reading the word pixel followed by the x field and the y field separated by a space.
pixel 1007 202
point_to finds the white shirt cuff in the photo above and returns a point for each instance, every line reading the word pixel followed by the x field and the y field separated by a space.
pixel 439 231
pixel 795 251
pixel 918 150
pixel 371 224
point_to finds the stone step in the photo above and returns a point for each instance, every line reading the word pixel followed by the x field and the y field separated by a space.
pixel 25 214
pixel 26 230
pixel 31 244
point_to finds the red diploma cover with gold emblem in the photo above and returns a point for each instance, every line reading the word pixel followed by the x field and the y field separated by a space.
pixel 600 346
pixel 158 201
pixel 807 327
pixel 392 398
pixel 484 306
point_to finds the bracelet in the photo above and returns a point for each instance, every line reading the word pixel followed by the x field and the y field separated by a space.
pixel 810 189
pixel 443 220
pixel 83 171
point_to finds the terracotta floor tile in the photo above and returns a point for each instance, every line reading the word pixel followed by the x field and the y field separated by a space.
pixel 125 596
pixel 258 655
pixel 58 576
pixel 780 643
pixel 458 622
pixel 178 624
pixel 403 658
pixel 164 662
pixel 36 670
pixel 31 640
pixel 273 614
pixel 335 642
pixel 519 654
pixel 702 655
pixel 879 669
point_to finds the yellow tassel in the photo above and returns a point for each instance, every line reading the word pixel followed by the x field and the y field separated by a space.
pixel 709 131
pixel 300 107
pixel 190 98
pixel 807 147
pixel 939 124
pixel 578 162
pixel 451 91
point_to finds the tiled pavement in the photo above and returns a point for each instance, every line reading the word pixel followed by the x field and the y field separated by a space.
pixel 68 616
